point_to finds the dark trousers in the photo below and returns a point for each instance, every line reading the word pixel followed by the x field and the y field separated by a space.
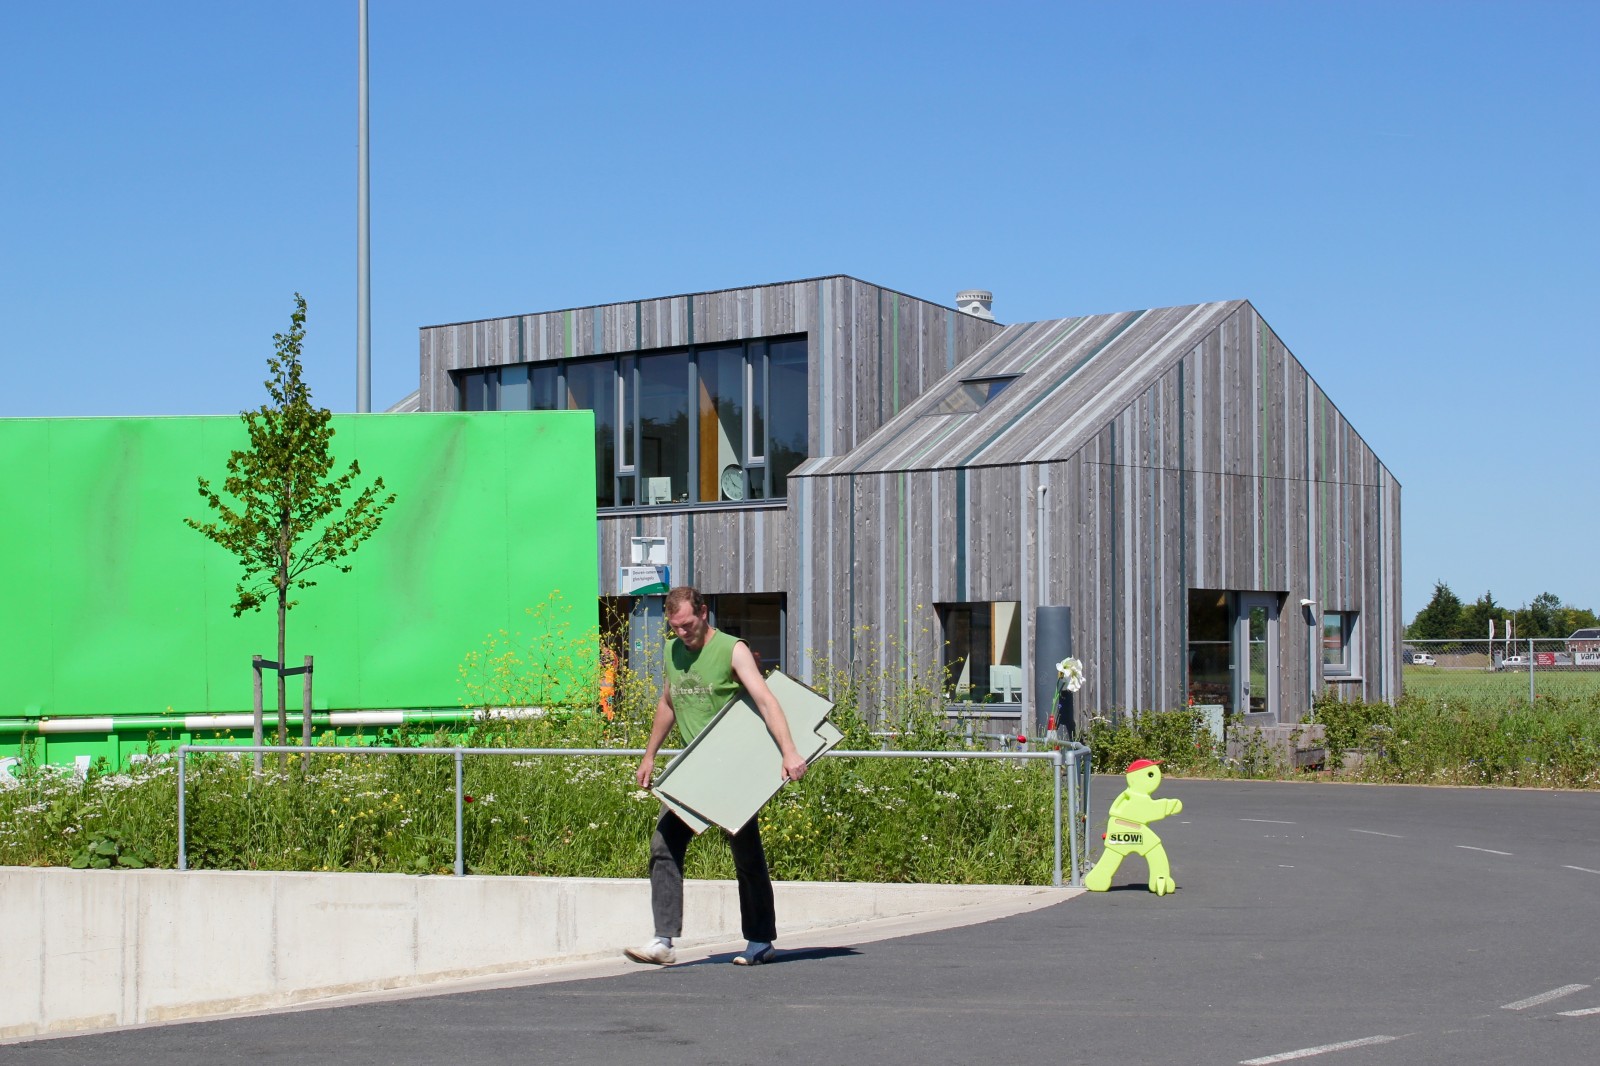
pixel 667 847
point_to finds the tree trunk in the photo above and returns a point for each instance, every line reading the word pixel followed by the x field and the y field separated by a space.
pixel 283 623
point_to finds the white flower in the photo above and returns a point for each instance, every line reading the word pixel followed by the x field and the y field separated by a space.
pixel 1069 672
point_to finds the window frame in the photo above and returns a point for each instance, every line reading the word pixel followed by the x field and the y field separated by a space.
pixel 973 394
pixel 1009 647
pixel 1349 668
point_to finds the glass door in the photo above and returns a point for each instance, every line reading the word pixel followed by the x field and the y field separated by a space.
pixel 1255 638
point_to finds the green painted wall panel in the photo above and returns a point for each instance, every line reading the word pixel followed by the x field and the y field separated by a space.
pixel 113 606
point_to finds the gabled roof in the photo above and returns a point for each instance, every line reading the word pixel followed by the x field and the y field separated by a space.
pixel 1070 376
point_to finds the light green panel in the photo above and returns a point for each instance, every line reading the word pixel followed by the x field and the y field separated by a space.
pixel 114 606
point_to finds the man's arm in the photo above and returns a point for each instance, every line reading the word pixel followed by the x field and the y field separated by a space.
pixel 665 717
pixel 749 675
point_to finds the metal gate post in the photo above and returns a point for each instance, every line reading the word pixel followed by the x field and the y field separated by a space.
pixel 183 855
pixel 255 709
pixel 1079 800
pixel 460 869
pixel 1058 773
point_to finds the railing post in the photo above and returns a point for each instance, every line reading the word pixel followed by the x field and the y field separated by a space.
pixel 255 716
pixel 183 854
pixel 305 719
pixel 1058 773
pixel 1080 796
pixel 460 868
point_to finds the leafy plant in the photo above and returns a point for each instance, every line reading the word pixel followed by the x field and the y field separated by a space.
pixel 286 516
pixel 106 850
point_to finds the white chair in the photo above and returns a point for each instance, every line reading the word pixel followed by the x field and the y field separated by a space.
pixel 1006 682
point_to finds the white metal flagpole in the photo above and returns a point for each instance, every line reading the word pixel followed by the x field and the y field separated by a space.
pixel 363 243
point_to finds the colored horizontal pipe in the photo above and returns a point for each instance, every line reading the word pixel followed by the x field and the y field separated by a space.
pixel 203 722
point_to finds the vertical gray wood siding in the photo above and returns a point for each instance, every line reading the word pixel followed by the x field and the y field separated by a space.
pixel 871 351
pixel 1230 469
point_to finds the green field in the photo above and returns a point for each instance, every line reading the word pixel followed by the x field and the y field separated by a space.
pixel 1506 685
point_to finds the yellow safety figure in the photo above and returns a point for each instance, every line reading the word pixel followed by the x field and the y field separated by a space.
pixel 1128 831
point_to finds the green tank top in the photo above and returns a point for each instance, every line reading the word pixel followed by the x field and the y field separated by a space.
pixel 700 682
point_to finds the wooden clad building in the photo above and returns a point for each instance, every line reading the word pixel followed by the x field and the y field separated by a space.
pixel 839 465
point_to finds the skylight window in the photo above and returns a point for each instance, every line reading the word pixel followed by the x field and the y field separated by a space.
pixel 972 394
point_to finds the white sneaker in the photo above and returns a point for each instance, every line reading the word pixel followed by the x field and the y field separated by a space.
pixel 658 952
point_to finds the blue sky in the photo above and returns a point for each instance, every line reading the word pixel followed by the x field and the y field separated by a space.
pixel 1407 192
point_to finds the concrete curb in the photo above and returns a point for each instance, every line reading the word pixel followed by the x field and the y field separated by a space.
pixel 117 949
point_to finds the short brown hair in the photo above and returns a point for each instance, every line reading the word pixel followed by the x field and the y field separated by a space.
pixel 684 594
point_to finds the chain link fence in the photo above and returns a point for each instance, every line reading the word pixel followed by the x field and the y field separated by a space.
pixel 1500 670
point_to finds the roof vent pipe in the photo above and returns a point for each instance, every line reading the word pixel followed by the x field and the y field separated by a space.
pixel 975 302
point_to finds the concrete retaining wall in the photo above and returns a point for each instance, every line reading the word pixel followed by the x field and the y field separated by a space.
pixel 91 949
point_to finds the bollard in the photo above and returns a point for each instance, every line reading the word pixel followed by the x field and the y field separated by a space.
pixel 1128 830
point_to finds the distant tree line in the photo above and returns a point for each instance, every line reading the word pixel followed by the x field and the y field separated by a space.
pixel 1447 618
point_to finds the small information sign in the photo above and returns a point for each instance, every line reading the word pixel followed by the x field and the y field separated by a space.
pixel 644 580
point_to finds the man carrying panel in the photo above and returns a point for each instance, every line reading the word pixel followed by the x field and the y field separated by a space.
pixel 706 668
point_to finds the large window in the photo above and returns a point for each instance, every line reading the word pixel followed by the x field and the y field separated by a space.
pixel 696 425
pixel 664 427
pixel 1210 647
pixel 757 618
pixel 982 651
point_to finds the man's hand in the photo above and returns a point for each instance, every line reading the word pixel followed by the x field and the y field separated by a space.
pixel 794 767
pixel 647 769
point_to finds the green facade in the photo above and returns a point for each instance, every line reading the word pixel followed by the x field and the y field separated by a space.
pixel 114 607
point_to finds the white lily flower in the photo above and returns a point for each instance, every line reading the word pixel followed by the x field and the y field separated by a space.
pixel 1069 672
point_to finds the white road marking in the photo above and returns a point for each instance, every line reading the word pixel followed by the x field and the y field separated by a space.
pixel 1584 1013
pixel 1543 997
pixel 1375 833
pixel 1307 1052
pixel 1583 869
pixel 1489 851
pixel 1269 821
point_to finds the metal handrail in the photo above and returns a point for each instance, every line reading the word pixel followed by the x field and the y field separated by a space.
pixel 1067 757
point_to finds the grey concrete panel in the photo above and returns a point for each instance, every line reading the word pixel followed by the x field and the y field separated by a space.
pixel 734 766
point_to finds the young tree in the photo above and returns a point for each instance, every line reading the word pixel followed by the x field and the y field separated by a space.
pixel 286 517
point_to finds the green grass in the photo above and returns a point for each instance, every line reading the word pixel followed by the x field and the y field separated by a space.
pixel 1505 685
pixel 1486 737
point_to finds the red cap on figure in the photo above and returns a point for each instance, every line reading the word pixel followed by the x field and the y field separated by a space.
pixel 1140 764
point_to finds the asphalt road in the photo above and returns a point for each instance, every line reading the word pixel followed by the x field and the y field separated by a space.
pixel 1383 925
